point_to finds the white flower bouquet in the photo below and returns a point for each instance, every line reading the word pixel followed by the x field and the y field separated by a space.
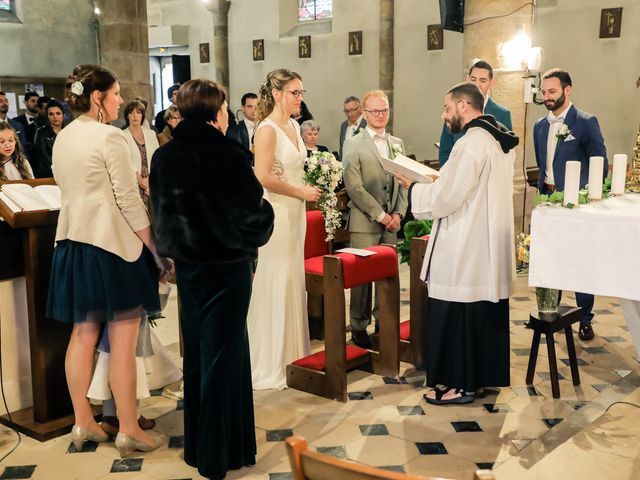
pixel 325 172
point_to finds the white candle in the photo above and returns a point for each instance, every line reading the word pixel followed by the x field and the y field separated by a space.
pixel 571 183
pixel 596 166
pixel 618 176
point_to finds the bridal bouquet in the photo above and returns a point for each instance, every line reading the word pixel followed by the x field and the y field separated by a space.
pixel 325 172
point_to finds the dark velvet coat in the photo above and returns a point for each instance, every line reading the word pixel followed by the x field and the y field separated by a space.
pixel 207 202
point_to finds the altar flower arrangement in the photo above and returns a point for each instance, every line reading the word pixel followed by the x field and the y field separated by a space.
pixel 563 132
pixel 325 172
pixel 522 251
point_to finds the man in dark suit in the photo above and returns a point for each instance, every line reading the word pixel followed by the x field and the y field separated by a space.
pixel 172 93
pixel 481 75
pixel 242 132
pixel 28 119
pixel 565 134
pixel 355 121
pixel 4 109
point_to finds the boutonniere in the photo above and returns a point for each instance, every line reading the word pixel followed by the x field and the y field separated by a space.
pixel 396 149
pixel 563 132
pixel 357 130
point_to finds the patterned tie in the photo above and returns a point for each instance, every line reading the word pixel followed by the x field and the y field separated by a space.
pixel 380 137
pixel 553 119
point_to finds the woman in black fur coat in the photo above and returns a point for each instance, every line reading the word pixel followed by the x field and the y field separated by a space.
pixel 210 217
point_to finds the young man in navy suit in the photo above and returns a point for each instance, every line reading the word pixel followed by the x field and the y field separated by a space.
pixel 242 132
pixel 565 134
pixel 481 75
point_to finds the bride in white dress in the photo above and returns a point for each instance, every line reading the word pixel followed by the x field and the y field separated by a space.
pixel 277 319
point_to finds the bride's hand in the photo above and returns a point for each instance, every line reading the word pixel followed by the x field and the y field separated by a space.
pixel 310 193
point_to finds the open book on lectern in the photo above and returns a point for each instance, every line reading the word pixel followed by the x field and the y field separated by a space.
pixel 21 197
pixel 413 170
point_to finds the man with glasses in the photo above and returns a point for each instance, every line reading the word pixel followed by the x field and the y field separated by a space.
pixel 355 121
pixel 377 203
pixel 481 75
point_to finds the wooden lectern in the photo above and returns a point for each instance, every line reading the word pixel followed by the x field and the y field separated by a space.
pixel 27 241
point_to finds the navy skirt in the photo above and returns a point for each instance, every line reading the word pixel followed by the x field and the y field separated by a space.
pixel 91 284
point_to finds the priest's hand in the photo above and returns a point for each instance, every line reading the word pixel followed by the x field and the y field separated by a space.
pixel 402 180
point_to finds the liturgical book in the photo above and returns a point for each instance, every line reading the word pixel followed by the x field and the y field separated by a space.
pixel 405 166
pixel 21 197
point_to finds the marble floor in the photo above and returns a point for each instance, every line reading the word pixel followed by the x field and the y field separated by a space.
pixel 518 432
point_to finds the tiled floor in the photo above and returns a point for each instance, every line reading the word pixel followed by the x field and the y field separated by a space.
pixel 519 432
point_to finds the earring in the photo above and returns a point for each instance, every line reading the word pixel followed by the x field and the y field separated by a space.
pixel 100 115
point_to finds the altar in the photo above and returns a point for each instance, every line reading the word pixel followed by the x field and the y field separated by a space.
pixel 592 248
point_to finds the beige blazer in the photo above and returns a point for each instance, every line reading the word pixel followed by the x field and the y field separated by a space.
pixel 150 142
pixel 371 191
pixel 101 204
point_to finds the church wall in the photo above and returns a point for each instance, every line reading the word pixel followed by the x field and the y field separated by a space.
pixel 604 71
pixel 329 76
pixel 53 38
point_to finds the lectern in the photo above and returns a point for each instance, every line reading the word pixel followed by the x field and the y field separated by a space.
pixel 27 241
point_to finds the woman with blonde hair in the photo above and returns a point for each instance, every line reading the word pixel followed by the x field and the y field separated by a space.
pixel 277 320
pixel 105 265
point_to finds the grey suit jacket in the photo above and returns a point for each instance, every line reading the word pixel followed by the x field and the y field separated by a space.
pixel 371 190
pixel 343 132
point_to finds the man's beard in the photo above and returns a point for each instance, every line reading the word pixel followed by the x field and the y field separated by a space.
pixel 455 124
pixel 556 103
pixel 4 109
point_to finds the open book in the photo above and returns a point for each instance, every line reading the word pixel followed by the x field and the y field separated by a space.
pixel 21 197
pixel 414 171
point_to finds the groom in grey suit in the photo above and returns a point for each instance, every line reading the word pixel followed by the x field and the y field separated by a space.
pixel 377 202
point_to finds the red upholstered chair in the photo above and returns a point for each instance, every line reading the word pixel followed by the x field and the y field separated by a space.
pixel 315 247
pixel 325 373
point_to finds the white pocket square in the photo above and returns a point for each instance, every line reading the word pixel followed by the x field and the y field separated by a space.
pixel 569 138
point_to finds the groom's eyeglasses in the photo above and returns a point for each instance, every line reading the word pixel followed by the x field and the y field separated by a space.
pixel 377 113
pixel 297 93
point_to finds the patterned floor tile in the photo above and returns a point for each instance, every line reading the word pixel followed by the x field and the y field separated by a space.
pixel 466 426
pixel 278 435
pixel 485 466
pixel 521 351
pixel 579 361
pixel 394 381
pixel 431 448
pixel 127 465
pixel 18 472
pixel 360 396
pixel 595 350
pixel 176 441
pixel 410 410
pixel 376 429
pixel 521 299
pixel 86 447
pixel 525 391
pixel 394 468
pixel 338 452
pixel 497 407
pixel 603 312
pixel 546 376
pixel 552 422
pixel 614 339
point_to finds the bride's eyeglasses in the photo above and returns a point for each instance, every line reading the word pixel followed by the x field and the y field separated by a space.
pixel 297 93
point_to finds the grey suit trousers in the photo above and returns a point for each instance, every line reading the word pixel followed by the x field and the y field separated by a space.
pixel 360 306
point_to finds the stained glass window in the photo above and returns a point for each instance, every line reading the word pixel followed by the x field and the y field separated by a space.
pixel 314 10
pixel 5 5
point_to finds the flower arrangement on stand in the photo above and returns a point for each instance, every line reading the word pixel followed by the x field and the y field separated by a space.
pixel 325 172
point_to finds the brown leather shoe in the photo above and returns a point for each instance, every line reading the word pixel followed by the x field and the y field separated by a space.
pixel 361 339
pixel 586 332
pixel 146 423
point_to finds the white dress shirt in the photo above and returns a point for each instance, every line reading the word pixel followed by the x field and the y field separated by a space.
pixel 555 122
pixel 351 129
pixel 249 125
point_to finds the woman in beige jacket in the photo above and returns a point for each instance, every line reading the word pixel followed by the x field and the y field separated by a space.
pixel 105 264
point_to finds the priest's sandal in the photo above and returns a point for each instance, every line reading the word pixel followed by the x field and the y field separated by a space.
pixel 80 435
pixel 127 445
pixel 456 396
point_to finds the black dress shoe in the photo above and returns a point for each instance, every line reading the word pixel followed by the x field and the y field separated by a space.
pixel 586 332
pixel 361 339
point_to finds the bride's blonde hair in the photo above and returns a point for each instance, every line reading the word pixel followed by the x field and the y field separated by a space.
pixel 275 79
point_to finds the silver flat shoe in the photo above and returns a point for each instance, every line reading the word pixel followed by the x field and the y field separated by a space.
pixel 127 445
pixel 79 435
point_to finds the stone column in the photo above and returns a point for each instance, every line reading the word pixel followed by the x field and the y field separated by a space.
pixel 386 53
pixel 483 40
pixel 220 12
pixel 124 45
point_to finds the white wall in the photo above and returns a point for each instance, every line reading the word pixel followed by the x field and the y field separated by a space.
pixel 329 76
pixel 53 38
pixel 604 71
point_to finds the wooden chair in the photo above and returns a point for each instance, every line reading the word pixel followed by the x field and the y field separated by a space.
pixel 315 247
pixel 309 465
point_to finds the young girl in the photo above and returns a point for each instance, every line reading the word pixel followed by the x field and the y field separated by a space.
pixel 13 164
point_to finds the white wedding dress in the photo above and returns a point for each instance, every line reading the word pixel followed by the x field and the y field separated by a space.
pixel 277 319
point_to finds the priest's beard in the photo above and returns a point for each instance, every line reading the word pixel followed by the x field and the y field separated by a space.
pixel 555 104
pixel 455 124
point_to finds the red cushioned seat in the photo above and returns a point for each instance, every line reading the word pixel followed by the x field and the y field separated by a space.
pixel 360 270
pixel 314 243
pixel 405 330
pixel 317 361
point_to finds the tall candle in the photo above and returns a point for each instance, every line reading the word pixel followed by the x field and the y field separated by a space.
pixel 596 166
pixel 619 173
pixel 571 183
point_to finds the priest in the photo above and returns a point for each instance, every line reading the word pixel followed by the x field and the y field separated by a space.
pixel 470 261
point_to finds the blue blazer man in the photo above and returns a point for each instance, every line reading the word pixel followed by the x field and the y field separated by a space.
pixel 239 133
pixel 585 140
pixel 448 139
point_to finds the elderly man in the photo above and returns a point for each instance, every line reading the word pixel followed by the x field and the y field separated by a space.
pixel 355 121
pixel 469 263
pixel 377 203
